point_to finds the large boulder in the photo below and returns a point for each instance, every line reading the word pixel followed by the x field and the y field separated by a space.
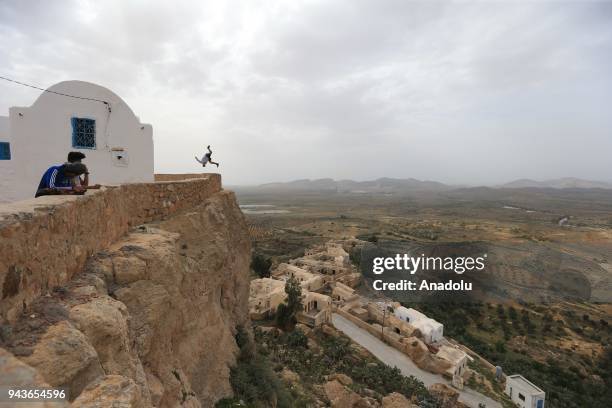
pixel 16 374
pixel 396 400
pixel 342 378
pixel 128 269
pixel 418 352
pixel 447 397
pixel 340 396
pixel 415 348
pixel 103 320
pixel 64 358
pixel 110 391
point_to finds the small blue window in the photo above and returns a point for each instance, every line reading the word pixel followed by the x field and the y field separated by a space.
pixel 5 151
pixel 83 133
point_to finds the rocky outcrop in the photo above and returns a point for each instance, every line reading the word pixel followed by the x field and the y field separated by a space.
pixel 396 400
pixel 150 320
pixel 445 396
pixel 111 391
pixel 340 396
pixel 341 378
pixel 418 352
pixel 18 375
pixel 65 358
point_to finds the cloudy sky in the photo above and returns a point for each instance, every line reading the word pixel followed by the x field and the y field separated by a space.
pixel 459 92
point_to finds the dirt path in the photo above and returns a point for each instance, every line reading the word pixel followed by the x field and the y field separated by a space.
pixel 396 358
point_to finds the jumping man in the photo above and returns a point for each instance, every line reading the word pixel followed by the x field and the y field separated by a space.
pixel 206 158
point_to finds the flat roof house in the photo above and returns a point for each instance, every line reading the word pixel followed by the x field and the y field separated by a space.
pixel 317 309
pixel 308 281
pixel 457 358
pixel 431 330
pixel 523 392
pixel 343 293
pixel 265 296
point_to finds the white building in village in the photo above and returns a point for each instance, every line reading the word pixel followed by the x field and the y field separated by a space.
pixel 431 330
pixel 119 148
pixel 523 392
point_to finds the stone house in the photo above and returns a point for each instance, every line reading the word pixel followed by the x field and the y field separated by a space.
pixel 265 296
pixel 308 281
pixel 343 293
pixel 317 310
pixel 318 266
pixel 457 358
pixel 337 252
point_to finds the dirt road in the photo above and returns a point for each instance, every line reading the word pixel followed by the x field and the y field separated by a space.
pixel 396 358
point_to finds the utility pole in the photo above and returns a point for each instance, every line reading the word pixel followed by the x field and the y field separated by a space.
pixel 382 329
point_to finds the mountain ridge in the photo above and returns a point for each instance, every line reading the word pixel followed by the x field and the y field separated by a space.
pixel 389 184
pixel 347 185
pixel 564 182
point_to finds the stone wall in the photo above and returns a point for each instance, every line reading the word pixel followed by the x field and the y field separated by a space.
pixel 45 241
pixel 181 176
pixel 148 321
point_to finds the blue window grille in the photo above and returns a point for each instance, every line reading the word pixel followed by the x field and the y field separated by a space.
pixel 83 133
pixel 5 151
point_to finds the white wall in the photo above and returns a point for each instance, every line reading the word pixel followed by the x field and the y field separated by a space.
pixel 7 172
pixel 42 137
pixel 514 386
pixel 402 313
pixel 4 129
pixel 432 330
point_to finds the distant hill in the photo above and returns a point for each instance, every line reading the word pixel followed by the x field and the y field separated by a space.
pixel 393 185
pixel 567 182
pixel 380 185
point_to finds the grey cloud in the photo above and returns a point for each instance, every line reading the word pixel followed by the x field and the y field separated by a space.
pixel 468 92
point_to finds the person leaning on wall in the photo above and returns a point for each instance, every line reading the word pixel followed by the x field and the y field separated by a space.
pixel 77 157
pixel 59 180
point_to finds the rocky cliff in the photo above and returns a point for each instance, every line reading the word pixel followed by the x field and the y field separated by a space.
pixel 148 320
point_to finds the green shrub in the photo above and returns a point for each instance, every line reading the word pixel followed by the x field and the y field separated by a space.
pixel 261 265
pixel 286 311
pixel 253 380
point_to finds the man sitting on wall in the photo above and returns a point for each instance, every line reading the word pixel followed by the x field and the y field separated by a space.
pixel 77 157
pixel 60 180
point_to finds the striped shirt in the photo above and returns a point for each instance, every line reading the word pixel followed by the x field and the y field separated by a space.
pixel 54 178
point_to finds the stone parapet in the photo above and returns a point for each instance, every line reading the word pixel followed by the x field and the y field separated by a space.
pixel 45 241
pixel 181 176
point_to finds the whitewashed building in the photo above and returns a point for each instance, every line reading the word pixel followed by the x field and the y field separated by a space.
pixel 119 148
pixel 7 171
pixel 523 392
pixel 431 330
